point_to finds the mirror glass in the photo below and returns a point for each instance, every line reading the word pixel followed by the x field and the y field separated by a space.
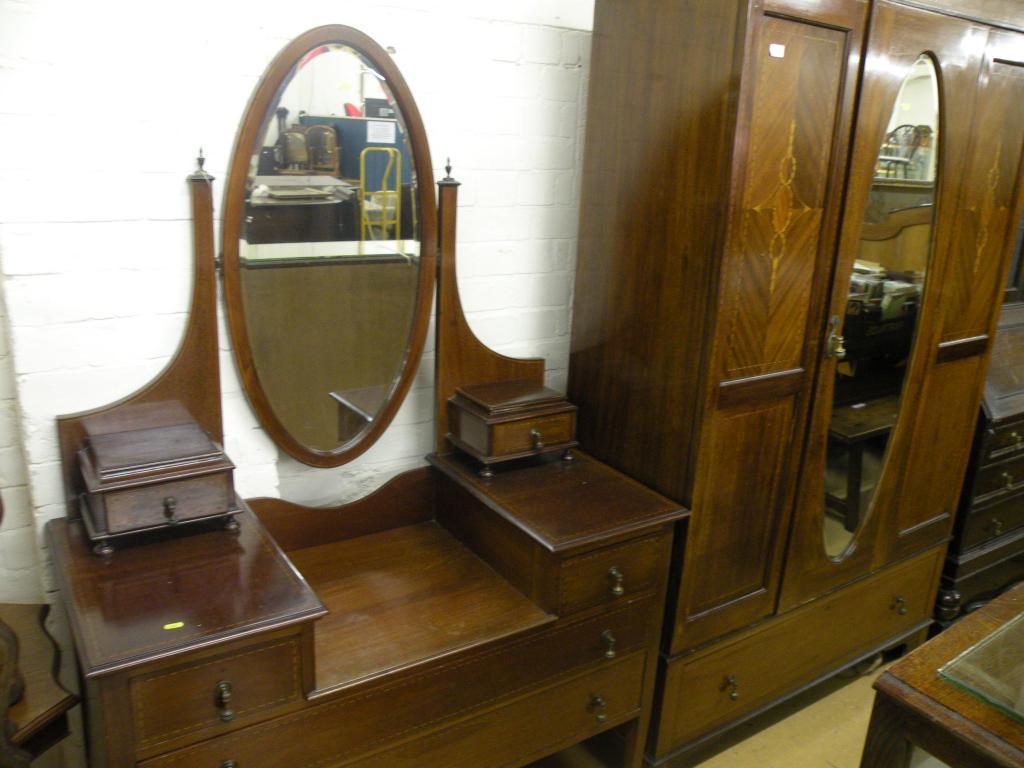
pixel 329 248
pixel 885 292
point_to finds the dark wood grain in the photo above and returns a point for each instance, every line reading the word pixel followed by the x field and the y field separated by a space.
pixel 404 500
pixel 192 378
pixel 384 593
pixel 951 724
pixel 119 608
pixel 461 359
pixel 262 99
pixel 566 507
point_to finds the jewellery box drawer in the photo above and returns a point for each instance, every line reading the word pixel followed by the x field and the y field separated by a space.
pixel 215 695
pixel 608 574
pixel 705 690
pixel 148 507
pixel 552 716
pixel 345 726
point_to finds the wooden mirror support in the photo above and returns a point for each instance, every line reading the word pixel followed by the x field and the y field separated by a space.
pixel 461 358
pixel 191 379
pixel 249 133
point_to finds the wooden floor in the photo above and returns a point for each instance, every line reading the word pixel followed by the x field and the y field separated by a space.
pixel 404 596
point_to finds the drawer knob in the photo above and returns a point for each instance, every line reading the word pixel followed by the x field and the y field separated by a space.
pixel 616 578
pixel 222 697
pixel 731 684
pixel 1017 439
pixel 996 526
pixel 229 764
pixel 899 604
pixel 1007 480
pixel 609 644
pixel 598 705
pixel 535 437
pixel 170 509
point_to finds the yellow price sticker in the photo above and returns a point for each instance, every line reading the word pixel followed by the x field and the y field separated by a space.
pixel 174 625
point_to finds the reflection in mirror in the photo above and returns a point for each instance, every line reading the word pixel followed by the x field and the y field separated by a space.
pixel 882 308
pixel 329 248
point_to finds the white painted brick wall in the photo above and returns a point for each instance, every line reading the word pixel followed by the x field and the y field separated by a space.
pixel 101 122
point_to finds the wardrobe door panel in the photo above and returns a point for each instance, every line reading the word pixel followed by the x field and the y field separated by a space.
pixel 981 241
pixel 885 183
pixel 795 104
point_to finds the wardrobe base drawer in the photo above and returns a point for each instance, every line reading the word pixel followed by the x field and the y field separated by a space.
pixel 536 724
pixel 708 689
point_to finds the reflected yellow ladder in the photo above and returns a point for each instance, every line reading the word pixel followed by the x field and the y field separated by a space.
pixel 381 209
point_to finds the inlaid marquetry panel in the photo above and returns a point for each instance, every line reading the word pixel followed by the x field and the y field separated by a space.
pixel 982 232
pixel 736 524
pixel 799 73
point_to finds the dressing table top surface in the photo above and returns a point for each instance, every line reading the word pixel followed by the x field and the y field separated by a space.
pixel 564 506
pixel 152 600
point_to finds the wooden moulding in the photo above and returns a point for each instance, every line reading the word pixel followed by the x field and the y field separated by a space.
pixel 249 131
pixel 462 360
pixel 191 379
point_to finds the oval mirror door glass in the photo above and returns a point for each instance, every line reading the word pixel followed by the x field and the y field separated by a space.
pixel 883 305
pixel 329 256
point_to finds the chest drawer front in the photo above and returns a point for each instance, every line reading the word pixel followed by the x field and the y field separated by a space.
pixel 516 437
pixel 340 729
pixel 608 575
pixel 215 695
pixel 539 722
pixel 999 479
pixel 992 521
pixel 713 688
pixel 1003 442
pixel 145 506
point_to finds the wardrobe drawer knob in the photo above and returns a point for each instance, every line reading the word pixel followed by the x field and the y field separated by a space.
pixel 899 604
pixel 609 644
pixel 598 705
pixel 222 698
pixel 616 577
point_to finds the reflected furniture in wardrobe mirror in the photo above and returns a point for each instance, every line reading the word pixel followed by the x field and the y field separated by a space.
pixel 447 619
pixel 788 330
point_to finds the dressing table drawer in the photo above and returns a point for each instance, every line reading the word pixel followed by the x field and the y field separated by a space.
pixel 531 725
pixel 201 699
pixel 608 575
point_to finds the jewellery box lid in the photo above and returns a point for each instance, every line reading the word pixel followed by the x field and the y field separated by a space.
pixel 509 397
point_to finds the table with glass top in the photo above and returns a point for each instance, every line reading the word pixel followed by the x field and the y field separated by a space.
pixel 960 697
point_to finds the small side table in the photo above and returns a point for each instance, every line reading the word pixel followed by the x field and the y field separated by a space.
pixel 39 719
pixel 913 705
pixel 853 426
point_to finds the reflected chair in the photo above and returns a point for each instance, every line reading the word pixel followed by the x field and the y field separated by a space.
pixel 381 207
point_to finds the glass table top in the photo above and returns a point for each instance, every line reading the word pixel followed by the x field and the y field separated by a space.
pixel 993 669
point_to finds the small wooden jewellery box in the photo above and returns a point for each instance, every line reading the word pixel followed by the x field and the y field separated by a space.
pixel 510 420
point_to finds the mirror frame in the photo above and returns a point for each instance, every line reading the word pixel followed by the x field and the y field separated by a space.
pixel 249 133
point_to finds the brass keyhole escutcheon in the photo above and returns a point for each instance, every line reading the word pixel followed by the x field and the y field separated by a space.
pixel 899 604
pixel 170 509
pixel 732 685
pixel 835 344
pixel 598 705
pixel 222 697
pixel 609 644
pixel 535 438
pixel 616 578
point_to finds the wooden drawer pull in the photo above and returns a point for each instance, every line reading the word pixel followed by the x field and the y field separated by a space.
pixel 616 578
pixel 598 705
pixel 899 604
pixel 222 697
pixel 732 685
pixel 609 644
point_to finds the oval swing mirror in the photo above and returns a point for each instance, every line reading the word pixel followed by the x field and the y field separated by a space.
pixel 882 308
pixel 329 244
